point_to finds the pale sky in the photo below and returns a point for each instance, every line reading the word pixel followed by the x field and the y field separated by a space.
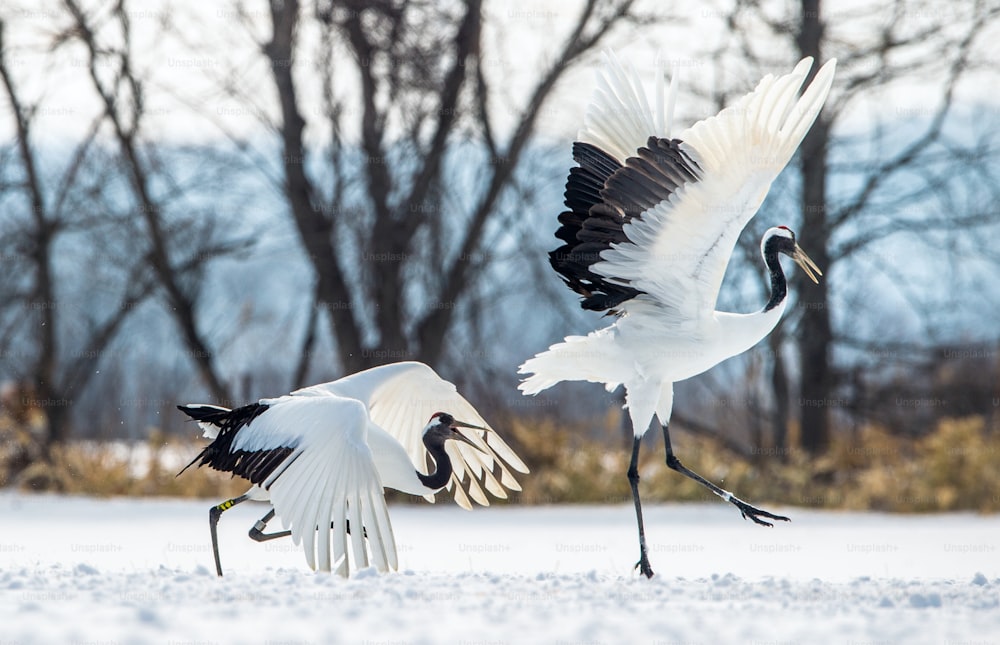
pixel 205 44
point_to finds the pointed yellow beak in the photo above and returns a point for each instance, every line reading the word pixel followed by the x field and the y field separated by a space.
pixel 806 264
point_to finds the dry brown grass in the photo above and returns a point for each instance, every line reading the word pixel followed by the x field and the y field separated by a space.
pixel 953 468
pixel 144 469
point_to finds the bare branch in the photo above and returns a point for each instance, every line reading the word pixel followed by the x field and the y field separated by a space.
pixel 430 328
pixel 931 134
pixel 466 45
pixel 181 304
pixel 314 229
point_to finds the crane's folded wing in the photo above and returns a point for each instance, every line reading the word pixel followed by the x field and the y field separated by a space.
pixel 402 397
pixel 328 477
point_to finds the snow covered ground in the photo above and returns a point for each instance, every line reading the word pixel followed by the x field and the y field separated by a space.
pixel 77 570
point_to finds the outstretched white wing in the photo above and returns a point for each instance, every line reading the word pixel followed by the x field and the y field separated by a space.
pixel 402 397
pixel 683 203
pixel 328 475
pixel 619 118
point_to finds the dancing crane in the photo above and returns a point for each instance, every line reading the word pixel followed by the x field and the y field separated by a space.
pixel 322 456
pixel 651 224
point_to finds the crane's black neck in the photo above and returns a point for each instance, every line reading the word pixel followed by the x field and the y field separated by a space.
pixel 779 286
pixel 442 473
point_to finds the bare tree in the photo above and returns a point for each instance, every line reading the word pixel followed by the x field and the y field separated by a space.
pixel 878 46
pixel 396 243
pixel 92 231
pixel 58 364
pixel 172 265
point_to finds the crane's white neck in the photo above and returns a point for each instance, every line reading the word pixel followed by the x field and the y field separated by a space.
pixel 740 332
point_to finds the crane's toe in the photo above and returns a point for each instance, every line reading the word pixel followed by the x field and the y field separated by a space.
pixel 643 566
pixel 755 514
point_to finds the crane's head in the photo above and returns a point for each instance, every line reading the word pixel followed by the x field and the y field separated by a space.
pixel 443 427
pixel 781 239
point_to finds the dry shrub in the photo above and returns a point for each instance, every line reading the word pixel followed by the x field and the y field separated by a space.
pixel 953 468
pixel 148 468
pixel 566 467
pixel 957 466
pixel 21 431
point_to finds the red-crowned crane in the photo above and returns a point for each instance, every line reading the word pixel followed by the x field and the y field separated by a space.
pixel 322 456
pixel 652 218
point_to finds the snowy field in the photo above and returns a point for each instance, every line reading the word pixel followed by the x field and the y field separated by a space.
pixel 76 570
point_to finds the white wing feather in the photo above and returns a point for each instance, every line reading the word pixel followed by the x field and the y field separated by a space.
pixel 618 118
pixel 402 397
pixel 678 250
pixel 330 477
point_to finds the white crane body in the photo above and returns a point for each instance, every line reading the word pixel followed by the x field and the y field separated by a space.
pixel 323 455
pixel 651 224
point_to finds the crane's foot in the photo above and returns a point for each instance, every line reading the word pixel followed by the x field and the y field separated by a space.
pixel 257 531
pixel 643 565
pixel 755 514
pixel 748 511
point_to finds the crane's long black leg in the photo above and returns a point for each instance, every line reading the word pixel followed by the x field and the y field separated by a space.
pixel 633 480
pixel 257 531
pixel 746 510
pixel 214 514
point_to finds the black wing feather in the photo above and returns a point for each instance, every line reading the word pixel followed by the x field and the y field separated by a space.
pixel 650 177
pixel 587 230
pixel 602 196
pixel 255 465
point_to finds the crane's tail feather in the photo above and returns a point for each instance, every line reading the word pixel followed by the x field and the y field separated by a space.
pixel 578 358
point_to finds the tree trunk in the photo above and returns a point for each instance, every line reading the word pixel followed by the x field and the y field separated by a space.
pixel 43 295
pixel 181 304
pixel 779 385
pixel 314 228
pixel 57 427
pixel 815 336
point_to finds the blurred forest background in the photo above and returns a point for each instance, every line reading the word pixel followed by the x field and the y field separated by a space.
pixel 225 201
